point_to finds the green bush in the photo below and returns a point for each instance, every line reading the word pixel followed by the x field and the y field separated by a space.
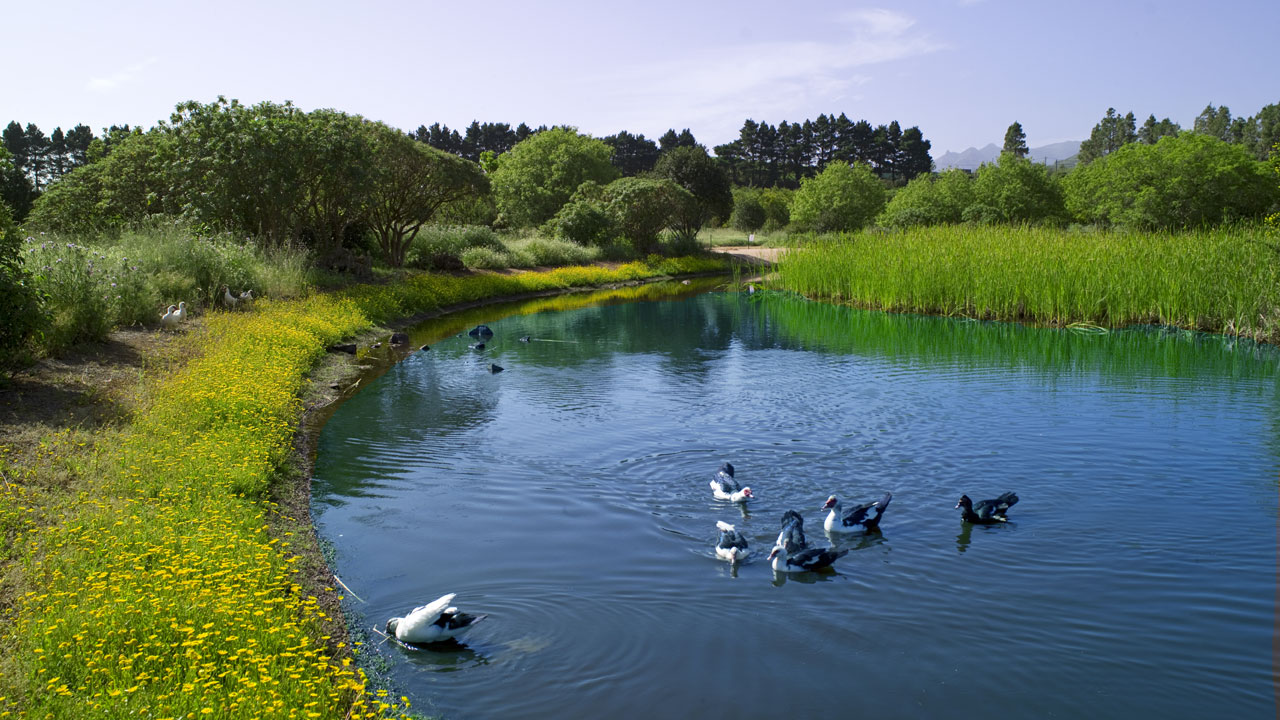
pixel 584 221
pixel 1018 191
pixel 842 197
pixel 485 258
pixel 928 200
pixel 776 203
pixel 441 247
pixel 748 213
pixel 19 300
pixel 548 252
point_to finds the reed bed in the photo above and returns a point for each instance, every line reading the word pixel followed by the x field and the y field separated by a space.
pixel 159 590
pixel 1222 280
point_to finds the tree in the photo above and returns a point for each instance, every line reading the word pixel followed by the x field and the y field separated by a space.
pixel 19 304
pixel 692 169
pixel 913 157
pixel 748 212
pixel 409 182
pixel 841 198
pixel 1015 141
pixel 670 140
pixel 1151 130
pixel 334 170
pixel 1214 122
pixel 1109 135
pixel 642 207
pixel 1188 180
pixel 927 200
pixel 632 154
pixel 1015 190
pixel 15 189
pixel 540 174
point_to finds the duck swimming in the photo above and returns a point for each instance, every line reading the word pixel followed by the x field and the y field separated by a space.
pixel 864 518
pixel 725 487
pixel 434 622
pixel 986 512
pixel 732 546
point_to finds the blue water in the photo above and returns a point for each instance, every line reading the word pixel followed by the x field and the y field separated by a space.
pixel 567 498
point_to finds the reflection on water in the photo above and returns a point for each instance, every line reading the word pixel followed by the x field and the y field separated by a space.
pixel 568 499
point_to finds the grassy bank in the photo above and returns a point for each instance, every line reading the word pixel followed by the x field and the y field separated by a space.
pixel 1223 280
pixel 160 581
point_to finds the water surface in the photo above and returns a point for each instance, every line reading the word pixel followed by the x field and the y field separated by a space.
pixel 567 498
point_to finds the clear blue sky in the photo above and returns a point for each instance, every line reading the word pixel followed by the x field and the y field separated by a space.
pixel 961 70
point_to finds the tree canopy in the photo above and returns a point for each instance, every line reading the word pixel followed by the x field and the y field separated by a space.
pixel 842 197
pixel 540 174
pixel 1015 140
pixel 1109 135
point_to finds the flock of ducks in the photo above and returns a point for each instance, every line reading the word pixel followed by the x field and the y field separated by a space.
pixel 176 314
pixel 791 552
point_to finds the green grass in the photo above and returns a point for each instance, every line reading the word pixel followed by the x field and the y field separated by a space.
pixel 717 237
pixel 161 591
pixel 1222 280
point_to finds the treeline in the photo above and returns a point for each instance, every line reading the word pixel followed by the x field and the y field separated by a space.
pixel 1257 134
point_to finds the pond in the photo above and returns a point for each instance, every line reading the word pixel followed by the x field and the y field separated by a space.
pixel 567 498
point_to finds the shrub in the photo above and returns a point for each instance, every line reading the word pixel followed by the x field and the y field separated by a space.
pixel 485 258
pixel 776 203
pixel 19 301
pixel 642 207
pixel 442 247
pixel 1018 191
pixel 842 197
pixel 548 252
pixel 584 221
pixel 748 213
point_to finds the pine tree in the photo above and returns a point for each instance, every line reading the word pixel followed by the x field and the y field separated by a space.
pixel 1015 141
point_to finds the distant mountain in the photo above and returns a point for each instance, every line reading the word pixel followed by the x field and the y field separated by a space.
pixel 973 157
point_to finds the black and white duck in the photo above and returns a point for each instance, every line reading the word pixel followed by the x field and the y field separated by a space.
pixel 805 560
pixel 732 546
pixel 434 622
pixel 725 487
pixel 863 518
pixel 986 512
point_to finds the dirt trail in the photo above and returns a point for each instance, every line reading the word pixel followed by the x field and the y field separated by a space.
pixel 752 254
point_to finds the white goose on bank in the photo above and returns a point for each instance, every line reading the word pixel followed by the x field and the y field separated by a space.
pixel 864 518
pixel 246 297
pixel 732 545
pixel 169 319
pixel 182 312
pixel 228 299
pixel 434 622
pixel 725 487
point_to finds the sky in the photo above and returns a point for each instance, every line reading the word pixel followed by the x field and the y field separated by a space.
pixel 960 70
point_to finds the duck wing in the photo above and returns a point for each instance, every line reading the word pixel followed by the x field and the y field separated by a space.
pixel 423 616
pixel 816 558
pixel 792 535
pixel 989 509
pixel 867 514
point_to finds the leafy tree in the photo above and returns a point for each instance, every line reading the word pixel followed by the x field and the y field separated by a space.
pixel 540 174
pixel 777 207
pixel 642 207
pixel 585 219
pixel 135 179
pixel 670 140
pixel 1109 135
pixel 842 197
pixel 1214 122
pixel 748 212
pixel 19 303
pixel 1188 180
pixel 1015 141
pixel 334 172
pixel 692 169
pixel 1018 191
pixel 632 154
pixel 74 205
pixel 927 200
pixel 1151 130
pixel 78 140
pixel 409 183
pixel 15 190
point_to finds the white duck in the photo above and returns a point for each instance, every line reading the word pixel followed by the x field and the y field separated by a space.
pixel 169 319
pixel 434 622
pixel 230 300
pixel 732 545
pixel 182 312
pixel 724 487
pixel 864 518
pixel 246 297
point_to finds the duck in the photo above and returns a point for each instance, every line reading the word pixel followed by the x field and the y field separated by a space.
pixel 246 296
pixel 732 545
pixel 792 535
pixel 805 560
pixel 435 622
pixel 725 487
pixel 170 317
pixel 228 299
pixel 182 312
pixel 864 518
pixel 986 512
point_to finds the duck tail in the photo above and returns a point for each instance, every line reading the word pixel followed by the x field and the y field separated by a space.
pixel 723 526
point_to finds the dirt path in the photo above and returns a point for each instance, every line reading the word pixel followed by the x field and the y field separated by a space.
pixel 752 254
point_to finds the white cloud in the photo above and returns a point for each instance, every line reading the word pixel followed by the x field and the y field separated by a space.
pixel 128 76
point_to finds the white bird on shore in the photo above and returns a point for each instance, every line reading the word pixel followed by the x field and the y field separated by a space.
pixel 434 622
pixel 182 311
pixel 246 297
pixel 227 298
pixel 170 318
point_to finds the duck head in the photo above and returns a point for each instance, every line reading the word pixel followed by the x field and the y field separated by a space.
pixel 746 493
pixel 830 503
pixel 392 624
pixel 965 503
pixel 776 551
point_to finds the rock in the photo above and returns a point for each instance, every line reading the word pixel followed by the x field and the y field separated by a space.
pixel 478 346
pixel 495 368
pixel 480 331
pixel 425 347
pixel 348 348
pixel 400 338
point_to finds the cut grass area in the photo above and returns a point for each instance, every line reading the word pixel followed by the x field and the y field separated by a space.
pixel 1223 280
pixel 152 584
pixel 719 237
